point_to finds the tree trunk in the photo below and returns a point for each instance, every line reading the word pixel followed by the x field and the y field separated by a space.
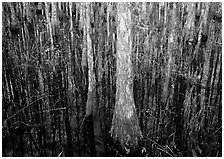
pixel 125 126
pixel 91 100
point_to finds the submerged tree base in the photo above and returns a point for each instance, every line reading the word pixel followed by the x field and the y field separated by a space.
pixel 89 134
pixel 126 132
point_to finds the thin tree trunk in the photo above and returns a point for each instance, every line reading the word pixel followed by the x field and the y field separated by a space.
pixel 91 100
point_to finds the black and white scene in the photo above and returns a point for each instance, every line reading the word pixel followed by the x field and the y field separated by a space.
pixel 111 79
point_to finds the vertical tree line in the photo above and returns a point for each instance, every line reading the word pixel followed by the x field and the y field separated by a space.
pixel 111 79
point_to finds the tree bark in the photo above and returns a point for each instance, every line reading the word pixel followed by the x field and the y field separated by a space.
pixel 91 99
pixel 125 126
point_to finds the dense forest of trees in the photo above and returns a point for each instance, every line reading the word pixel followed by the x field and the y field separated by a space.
pixel 111 79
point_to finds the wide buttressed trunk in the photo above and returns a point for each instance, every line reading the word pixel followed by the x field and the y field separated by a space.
pixel 125 127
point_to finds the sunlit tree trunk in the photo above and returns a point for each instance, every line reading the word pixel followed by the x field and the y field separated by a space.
pixel 49 26
pixel 169 61
pixel 91 99
pixel 91 76
pixel 125 126
pixel 205 64
pixel 54 18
